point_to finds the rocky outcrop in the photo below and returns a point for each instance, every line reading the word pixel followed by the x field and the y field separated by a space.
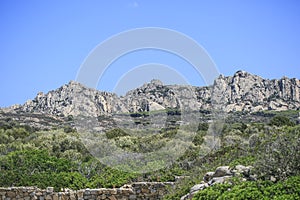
pixel 74 99
pixel 240 92
pixel 222 174
pixel 247 92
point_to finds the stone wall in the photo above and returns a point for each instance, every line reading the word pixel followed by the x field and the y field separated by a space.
pixel 138 191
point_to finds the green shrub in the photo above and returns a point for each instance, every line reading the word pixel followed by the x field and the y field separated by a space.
pixel 289 189
pixel 212 193
pixel 245 160
pixel 279 155
pixel 110 178
pixel 280 120
pixel 203 127
pixel 199 138
pixel 38 168
pixel 69 129
pixel 117 132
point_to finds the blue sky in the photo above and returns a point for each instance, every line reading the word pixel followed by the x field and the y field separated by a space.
pixel 44 43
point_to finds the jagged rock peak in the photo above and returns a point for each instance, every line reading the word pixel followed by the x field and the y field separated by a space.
pixel 74 84
pixel 247 92
pixel 242 73
pixel 156 82
pixel 239 74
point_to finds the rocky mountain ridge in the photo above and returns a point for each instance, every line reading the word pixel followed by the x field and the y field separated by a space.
pixel 241 92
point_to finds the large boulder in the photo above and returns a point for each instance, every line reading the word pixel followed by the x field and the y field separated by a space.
pixel 198 187
pixel 217 180
pixel 222 171
pixel 194 190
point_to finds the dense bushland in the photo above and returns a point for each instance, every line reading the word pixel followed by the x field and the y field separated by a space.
pixel 58 158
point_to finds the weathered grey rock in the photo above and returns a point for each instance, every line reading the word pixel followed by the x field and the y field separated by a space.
pixel 222 171
pixel 252 177
pixel 273 179
pixel 198 187
pixel 49 189
pixel 222 174
pixel 247 92
pixel 240 92
pixel 185 197
pixel 219 180
pixel 208 176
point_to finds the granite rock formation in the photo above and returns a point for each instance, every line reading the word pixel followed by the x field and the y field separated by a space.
pixel 241 92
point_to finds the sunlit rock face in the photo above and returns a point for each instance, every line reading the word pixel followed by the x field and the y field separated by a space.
pixel 240 92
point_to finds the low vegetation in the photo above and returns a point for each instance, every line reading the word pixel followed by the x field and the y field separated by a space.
pixel 262 189
pixel 31 157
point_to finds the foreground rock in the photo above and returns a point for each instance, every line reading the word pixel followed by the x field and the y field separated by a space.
pixel 221 175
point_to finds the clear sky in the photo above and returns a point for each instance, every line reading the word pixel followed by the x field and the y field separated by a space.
pixel 44 43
